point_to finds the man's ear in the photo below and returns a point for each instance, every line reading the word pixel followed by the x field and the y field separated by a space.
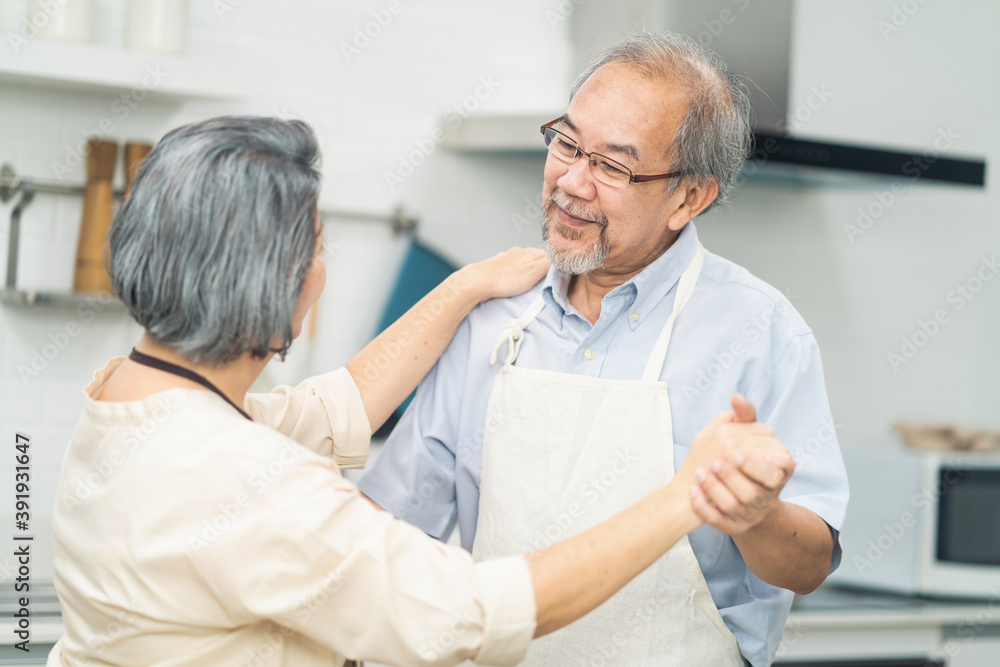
pixel 697 197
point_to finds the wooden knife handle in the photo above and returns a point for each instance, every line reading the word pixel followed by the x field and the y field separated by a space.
pixel 101 159
pixel 135 153
pixel 91 274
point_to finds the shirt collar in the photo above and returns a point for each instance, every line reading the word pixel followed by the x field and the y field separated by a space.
pixel 649 286
pixel 653 282
pixel 555 290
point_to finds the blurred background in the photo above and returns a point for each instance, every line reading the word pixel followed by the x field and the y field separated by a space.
pixel 427 114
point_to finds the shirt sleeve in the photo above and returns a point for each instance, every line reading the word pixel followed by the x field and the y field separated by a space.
pixel 794 403
pixel 324 413
pixel 312 555
pixel 413 477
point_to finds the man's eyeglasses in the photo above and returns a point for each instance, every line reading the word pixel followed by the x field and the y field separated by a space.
pixel 607 171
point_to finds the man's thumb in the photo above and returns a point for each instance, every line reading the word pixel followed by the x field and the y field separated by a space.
pixel 743 409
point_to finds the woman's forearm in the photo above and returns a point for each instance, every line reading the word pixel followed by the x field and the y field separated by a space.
pixel 574 576
pixel 392 365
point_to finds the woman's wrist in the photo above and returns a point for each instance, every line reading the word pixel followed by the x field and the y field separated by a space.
pixel 677 494
pixel 471 285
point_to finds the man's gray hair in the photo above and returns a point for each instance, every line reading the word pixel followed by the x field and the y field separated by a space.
pixel 714 138
pixel 211 249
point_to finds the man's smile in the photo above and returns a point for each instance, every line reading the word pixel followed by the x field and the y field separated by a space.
pixel 573 221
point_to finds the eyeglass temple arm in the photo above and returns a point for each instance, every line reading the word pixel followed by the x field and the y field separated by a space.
pixel 645 178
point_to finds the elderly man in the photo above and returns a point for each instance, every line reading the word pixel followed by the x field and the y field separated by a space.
pixel 607 369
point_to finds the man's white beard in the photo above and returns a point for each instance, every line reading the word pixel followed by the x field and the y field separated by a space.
pixel 574 263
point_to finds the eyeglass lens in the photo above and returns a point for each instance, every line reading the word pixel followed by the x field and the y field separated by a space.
pixel 604 169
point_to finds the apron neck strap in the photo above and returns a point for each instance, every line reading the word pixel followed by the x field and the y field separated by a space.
pixel 513 334
pixel 685 288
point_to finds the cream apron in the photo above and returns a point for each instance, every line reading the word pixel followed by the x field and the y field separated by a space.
pixel 564 452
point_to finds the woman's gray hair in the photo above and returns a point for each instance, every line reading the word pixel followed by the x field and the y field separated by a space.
pixel 714 138
pixel 212 248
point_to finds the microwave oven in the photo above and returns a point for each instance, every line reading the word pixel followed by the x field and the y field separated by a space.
pixel 922 522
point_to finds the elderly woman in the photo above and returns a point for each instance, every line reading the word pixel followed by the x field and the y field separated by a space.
pixel 222 531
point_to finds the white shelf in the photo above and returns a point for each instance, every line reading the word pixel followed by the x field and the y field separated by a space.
pixel 28 298
pixel 510 133
pixel 88 67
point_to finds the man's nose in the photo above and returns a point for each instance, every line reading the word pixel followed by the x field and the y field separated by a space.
pixel 578 181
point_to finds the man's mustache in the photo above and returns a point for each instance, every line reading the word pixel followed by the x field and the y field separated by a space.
pixel 563 201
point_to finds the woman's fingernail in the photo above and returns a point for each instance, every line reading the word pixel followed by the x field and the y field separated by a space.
pixel 700 474
pixel 717 465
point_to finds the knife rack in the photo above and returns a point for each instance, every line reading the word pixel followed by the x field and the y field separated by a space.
pixel 11 186
pixel 400 221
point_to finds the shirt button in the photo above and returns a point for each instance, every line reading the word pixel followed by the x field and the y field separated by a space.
pixel 635 317
pixel 588 354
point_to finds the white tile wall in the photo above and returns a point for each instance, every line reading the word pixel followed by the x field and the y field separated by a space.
pixel 859 298
pixel 935 70
pixel 862 298
pixel 367 112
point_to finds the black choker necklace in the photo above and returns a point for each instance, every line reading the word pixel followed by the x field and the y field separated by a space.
pixel 167 367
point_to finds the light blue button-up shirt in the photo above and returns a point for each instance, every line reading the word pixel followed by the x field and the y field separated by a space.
pixel 736 334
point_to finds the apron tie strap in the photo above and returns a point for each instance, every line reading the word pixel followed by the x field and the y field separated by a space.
pixel 513 333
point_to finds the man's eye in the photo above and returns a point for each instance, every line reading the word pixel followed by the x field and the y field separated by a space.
pixel 564 145
pixel 613 169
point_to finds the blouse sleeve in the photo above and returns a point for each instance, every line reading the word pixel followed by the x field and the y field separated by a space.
pixel 324 413
pixel 310 553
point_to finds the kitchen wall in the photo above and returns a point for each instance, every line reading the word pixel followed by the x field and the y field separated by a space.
pixel 871 263
pixel 863 288
pixel 877 266
pixel 375 104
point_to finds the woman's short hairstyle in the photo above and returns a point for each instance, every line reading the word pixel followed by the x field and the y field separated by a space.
pixel 212 248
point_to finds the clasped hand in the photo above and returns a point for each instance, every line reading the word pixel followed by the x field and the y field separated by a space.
pixel 738 469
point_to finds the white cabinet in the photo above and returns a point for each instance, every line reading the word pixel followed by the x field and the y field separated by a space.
pixel 842 627
pixel 976 653
pixel 87 68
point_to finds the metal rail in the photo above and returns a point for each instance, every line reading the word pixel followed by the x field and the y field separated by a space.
pixel 12 185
